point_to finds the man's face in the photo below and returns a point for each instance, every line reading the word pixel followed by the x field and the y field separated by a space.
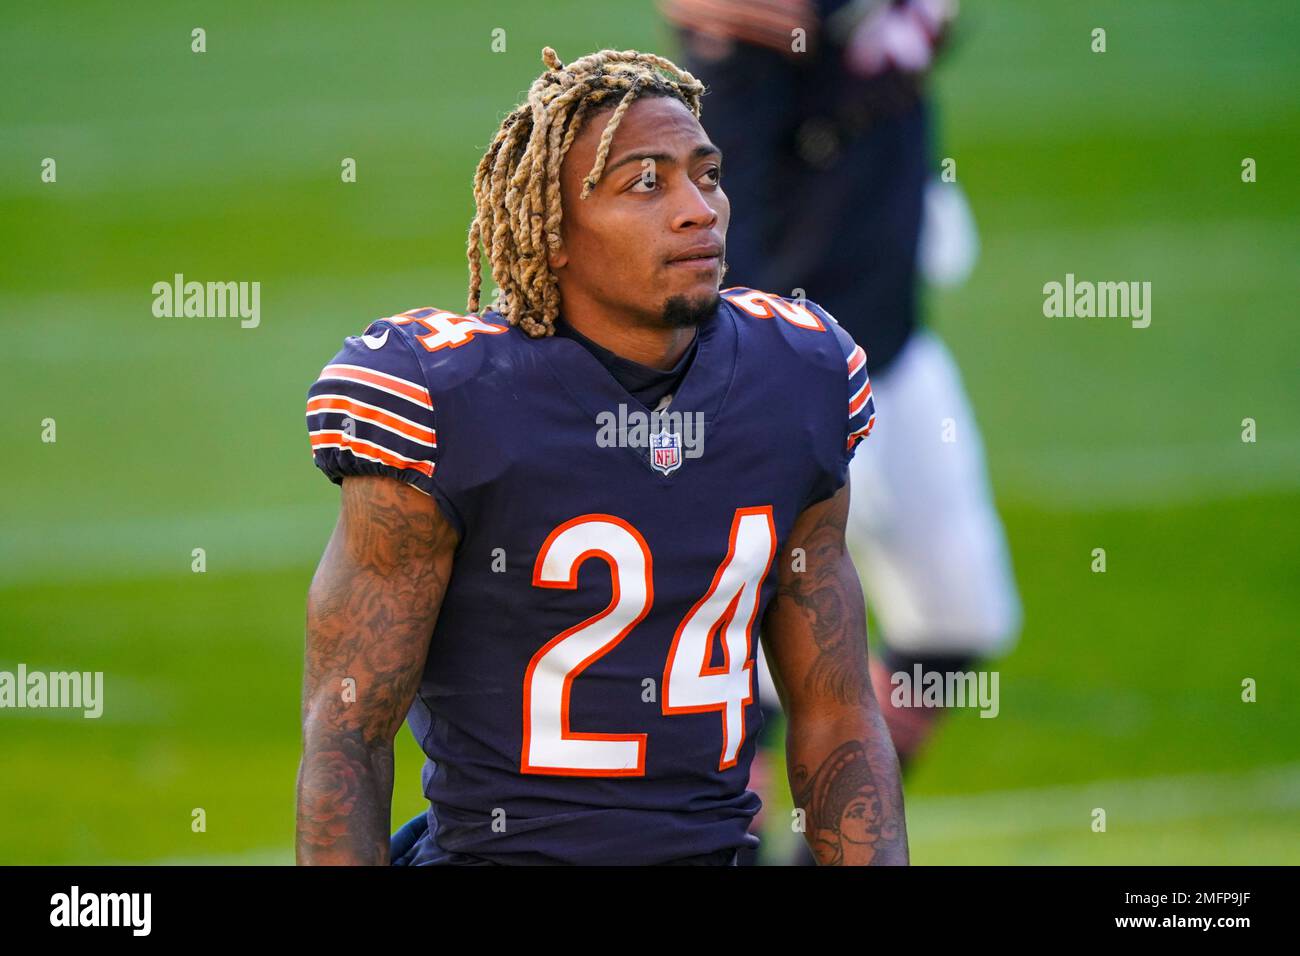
pixel 649 240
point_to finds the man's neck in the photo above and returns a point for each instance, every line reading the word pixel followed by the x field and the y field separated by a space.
pixel 660 348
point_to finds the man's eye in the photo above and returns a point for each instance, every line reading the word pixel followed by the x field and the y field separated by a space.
pixel 643 184
pixel 714 173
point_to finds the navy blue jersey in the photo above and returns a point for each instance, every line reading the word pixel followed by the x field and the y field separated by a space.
pixel 589 694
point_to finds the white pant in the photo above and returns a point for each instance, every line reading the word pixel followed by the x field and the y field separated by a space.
pixel 922 526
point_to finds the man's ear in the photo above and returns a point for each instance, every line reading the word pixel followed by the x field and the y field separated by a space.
pixel 557 258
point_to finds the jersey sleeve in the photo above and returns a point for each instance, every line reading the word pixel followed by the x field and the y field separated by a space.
pixel 845 409
pixel 370 413
pixel 862 406
pixel 860 413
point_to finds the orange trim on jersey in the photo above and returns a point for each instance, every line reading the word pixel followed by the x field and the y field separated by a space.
pixel 717 629
pixel 375 416
pixel 571 583
pixel 340 440
pixel 857 360
pixel 765 305
pixel 860 399
pixel 860 434
pixel 352 373
pixel 425 316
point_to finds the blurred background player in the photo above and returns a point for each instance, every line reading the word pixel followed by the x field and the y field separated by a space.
pixel 821 111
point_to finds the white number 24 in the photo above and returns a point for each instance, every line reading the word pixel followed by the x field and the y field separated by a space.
pixel 690 684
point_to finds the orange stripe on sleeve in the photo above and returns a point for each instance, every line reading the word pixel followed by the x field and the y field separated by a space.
pixel 400 386
pixel 375 416
pixel 859 400
pixel 857 360
pixel 364 449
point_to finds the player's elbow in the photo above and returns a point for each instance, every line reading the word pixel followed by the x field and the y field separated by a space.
pixel 329 728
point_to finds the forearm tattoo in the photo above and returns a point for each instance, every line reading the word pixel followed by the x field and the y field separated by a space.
pixel 853 805
pixel 371 610
pixel 845 775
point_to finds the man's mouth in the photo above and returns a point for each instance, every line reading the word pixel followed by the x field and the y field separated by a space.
pixel 701 257
pixel 695 262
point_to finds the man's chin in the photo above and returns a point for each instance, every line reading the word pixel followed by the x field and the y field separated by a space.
pixel 689 311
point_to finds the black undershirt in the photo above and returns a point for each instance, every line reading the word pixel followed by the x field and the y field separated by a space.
pixel 647 385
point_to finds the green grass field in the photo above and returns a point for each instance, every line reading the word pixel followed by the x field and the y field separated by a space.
pixel 173 434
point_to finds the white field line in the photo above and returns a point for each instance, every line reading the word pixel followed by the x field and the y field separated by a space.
pixel 1013 813
pixel 234 542
pixel 242 540
pixel 122 170
pixel 297 301
pixel 1075 479
pixel 1018 813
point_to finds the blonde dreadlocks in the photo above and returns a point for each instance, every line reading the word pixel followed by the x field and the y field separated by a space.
pixel 517 184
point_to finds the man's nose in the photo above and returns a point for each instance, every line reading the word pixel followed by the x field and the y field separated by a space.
pixel 695 210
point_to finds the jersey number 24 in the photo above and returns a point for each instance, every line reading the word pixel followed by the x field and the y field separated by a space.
pixel 690 684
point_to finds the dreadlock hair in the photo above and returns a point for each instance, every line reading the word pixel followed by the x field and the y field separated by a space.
pixel 517 210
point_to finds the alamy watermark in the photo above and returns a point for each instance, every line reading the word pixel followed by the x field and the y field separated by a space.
pixel 922 688
pixel 1086 300
pixel 53 690
pixel 75 908
pixel 670 436
pixel 208 300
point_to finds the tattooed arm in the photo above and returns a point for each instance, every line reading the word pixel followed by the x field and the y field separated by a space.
pixel 370 614
pixel 844 773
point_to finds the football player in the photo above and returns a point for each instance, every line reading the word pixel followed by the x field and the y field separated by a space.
pixel 566 520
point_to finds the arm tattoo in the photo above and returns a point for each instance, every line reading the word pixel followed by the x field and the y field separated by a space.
pixel 830 597
pixel 342 807
pixel 844 772
pixel 854 815
pixel 371 611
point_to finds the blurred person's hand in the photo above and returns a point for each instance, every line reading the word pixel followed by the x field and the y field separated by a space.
pixel 718 25
pixel 899 36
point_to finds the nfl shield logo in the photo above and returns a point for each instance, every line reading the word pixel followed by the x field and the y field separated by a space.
pixel 666 451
